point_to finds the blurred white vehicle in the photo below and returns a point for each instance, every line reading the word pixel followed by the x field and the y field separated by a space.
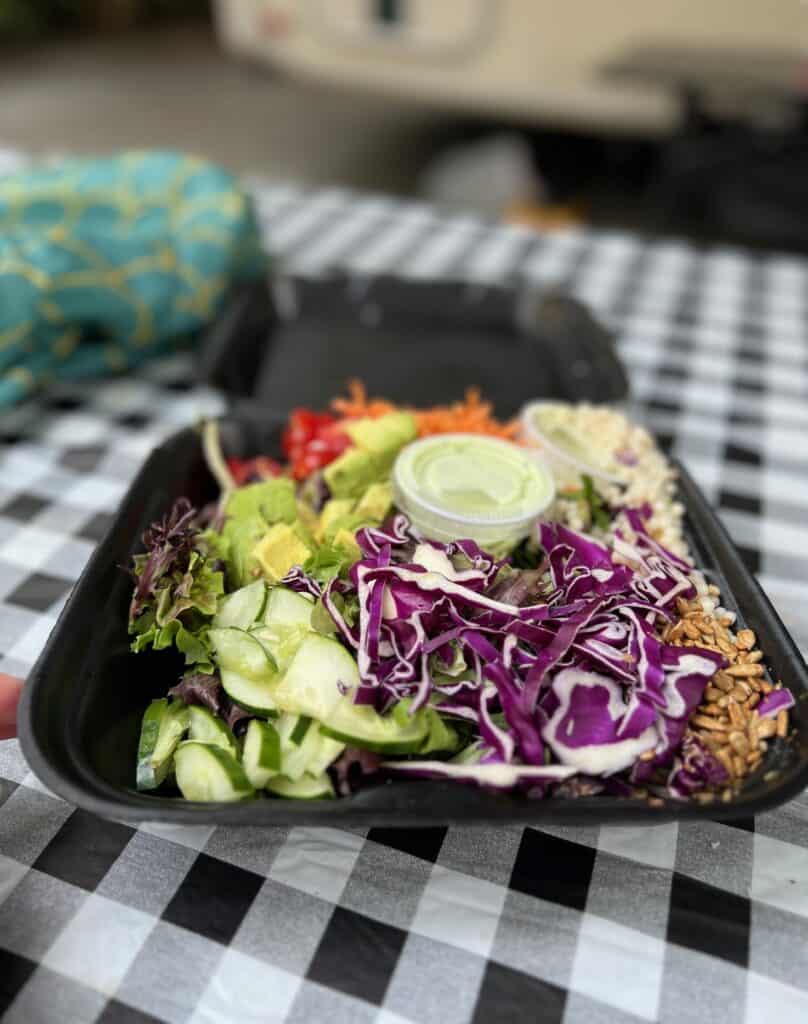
pixel 520 59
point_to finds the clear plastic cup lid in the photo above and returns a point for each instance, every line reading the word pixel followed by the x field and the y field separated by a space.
pixel 471 480
pixel 562 444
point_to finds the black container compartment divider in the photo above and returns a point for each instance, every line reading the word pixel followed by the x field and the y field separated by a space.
pixel 81 709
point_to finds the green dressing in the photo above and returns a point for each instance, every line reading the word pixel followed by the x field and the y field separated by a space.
pixel 466 485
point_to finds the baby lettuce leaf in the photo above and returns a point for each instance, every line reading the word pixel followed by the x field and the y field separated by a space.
pixel 328 561
pixel 177 587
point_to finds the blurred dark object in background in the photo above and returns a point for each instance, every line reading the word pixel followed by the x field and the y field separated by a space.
pixel 22 20
pixel 737 167
pixel 733 168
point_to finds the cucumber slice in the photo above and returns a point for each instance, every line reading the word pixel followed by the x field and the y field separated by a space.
pixel 286 623
pixel 304 749
pixel 238 651
pixel 281 642
pixel 311 685
pixel 262 753
pixel 243 607
pixel 325 755
pixel 288 608
pixel 300 730
pixel 362 726
pixel 207 728
pixel 309 787
pixel 163 727
pixel 299 744
pixel 253 695
pixel 205 772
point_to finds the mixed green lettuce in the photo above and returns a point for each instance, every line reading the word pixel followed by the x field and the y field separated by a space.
pixel 178 582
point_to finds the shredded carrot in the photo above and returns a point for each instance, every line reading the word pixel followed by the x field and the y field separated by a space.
pixel 358 405
pixel 470 416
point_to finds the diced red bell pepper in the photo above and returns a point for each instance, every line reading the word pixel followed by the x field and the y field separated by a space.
pixel 312 440
pixel 246 471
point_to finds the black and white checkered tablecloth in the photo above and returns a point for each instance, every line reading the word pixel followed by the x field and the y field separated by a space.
pixel 687 923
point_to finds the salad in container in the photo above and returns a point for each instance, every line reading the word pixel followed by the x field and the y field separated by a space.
pixel 435 594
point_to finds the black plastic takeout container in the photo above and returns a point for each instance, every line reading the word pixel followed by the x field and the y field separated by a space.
pixel 81 709
pixel 297 342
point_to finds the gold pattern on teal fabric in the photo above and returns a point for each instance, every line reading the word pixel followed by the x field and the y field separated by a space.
pixel 140 249
pixel 115 357
pixel 65 344
pixel 13 335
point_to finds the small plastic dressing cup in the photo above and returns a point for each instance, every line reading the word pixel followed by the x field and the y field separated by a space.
pixel 565 450
pixel 455 486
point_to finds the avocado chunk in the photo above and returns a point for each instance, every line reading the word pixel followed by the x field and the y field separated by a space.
pixel 377 444
pixel 273 500
pixel 333 511
pixel 353 472
pixel 241 536
pixel 384 435
pixel 347 541
pixel 307 516
pixel 376 502
pixel 249 512
pixel 279 550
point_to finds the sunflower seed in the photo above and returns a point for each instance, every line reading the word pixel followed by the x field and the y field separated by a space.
pixel 745 639
pixel 742 671
pixel 708 723
pixel 724 755
pixel 736 716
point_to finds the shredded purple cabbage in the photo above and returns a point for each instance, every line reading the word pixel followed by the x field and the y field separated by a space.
pixel 775 702
pixel 578 679
pixel 695 768
pixel 298 581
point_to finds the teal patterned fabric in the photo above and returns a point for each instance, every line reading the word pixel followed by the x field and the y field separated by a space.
pixel 104 263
